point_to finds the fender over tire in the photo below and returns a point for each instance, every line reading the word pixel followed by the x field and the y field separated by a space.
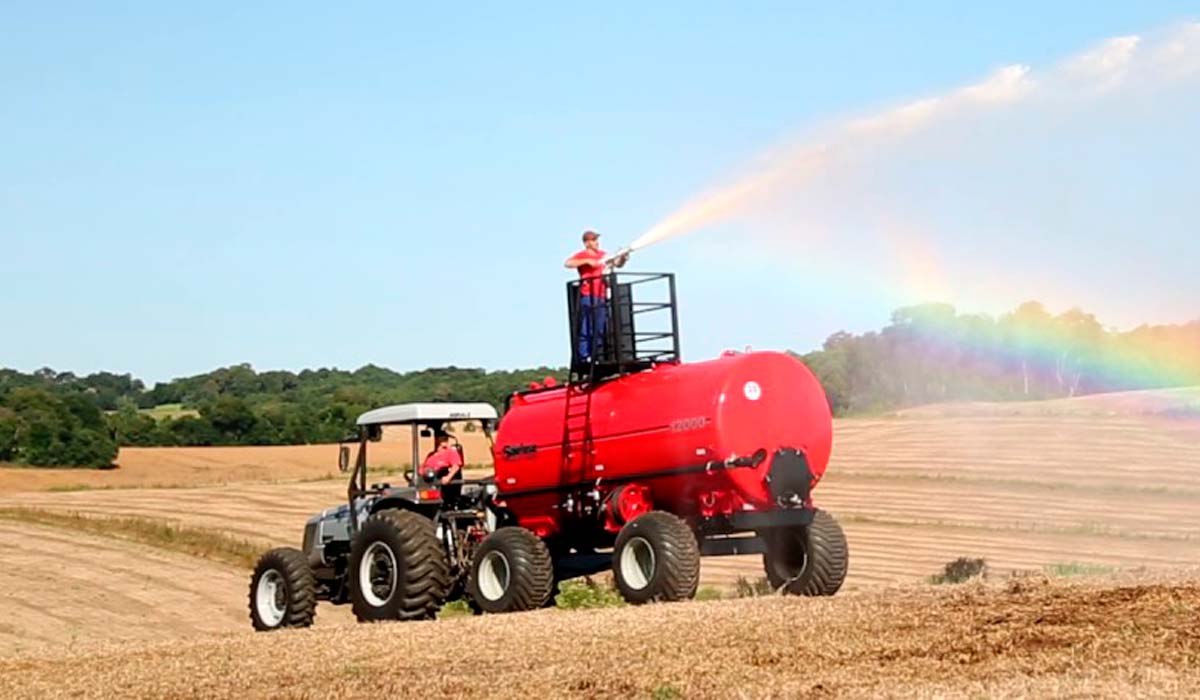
pixel 807 560
pixel 283 591
pixel 398 569
pixel 656 558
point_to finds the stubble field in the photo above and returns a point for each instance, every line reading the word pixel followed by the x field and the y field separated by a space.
pixel 1103 482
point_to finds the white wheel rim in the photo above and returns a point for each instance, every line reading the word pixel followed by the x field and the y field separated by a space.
pixel 637 563
pixel 493 575
pixel 270 598
pixel 377 574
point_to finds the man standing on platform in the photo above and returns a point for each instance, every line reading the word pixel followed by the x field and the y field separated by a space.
pixel 593 293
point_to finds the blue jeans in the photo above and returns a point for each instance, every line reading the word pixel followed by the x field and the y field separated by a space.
pixel 593 323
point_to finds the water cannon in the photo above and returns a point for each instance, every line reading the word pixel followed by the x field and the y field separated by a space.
pixel 622 253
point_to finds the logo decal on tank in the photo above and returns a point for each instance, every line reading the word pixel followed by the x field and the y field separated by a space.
pixel 752 390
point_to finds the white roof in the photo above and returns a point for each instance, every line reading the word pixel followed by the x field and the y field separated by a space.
pixel 420 412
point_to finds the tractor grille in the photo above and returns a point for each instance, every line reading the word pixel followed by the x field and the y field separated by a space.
pixel 310 537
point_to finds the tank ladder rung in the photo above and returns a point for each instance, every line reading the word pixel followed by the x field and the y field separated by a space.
pixel 577 427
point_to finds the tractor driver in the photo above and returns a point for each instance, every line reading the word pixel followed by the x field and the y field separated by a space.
pixel 446 462
pixel 593 292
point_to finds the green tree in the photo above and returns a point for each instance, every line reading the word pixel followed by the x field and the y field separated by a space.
pixel 230 417
pixel 10 427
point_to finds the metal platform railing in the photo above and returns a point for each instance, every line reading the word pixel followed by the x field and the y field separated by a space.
pixel 622 322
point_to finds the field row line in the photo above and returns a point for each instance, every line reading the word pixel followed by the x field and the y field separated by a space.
pixel 197 542
pixel 1031 484
pixel 1089 529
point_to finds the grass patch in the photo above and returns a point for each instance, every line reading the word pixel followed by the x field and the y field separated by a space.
pixel 1075 568
pixel 455 608
pixel 197 542
pixel 588 593
pixel 169 410
pixel 709 593
pixel 665 692
pixel 961 570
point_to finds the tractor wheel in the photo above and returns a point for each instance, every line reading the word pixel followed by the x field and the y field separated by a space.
pixel 656 558
pixel 397 570
pixel 283 591
pixel 807 560
pixel 511 571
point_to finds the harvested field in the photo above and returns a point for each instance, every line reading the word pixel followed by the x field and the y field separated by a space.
pixel 65 588
pixel 913 491
pixel 1021 489
pixel 1025 637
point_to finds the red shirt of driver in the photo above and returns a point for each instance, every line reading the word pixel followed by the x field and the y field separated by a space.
pixel 592 274
pixel 445 456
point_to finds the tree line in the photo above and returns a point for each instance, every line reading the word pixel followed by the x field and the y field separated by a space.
pixel 57 418
pixel 928 353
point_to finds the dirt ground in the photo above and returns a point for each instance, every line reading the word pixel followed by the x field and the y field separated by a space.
pixel 67 591
pixel 1021 638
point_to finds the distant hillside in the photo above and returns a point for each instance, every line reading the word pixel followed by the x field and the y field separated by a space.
pixel 928 354
pixel 57 418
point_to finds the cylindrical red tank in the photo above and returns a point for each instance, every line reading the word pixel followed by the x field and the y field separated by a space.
pixel 661 420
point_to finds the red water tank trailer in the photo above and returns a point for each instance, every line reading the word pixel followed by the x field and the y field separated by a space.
pixel 744 433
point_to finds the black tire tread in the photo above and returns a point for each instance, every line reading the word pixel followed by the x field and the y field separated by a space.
pixel 424 575
pixel 829 555
pixel 531 570
pixel 828 560
pixel 678 558
pixel 301 586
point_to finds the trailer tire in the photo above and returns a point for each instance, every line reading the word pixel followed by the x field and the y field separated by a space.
pixel 656 558
pixel 283 591
pixel 398 570
pixel 512 571
pixel 807 560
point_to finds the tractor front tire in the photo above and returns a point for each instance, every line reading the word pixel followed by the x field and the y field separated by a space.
pixel 283 591
pixel 809 560
pixel 512 571
pixel 656 558
pixel 398 570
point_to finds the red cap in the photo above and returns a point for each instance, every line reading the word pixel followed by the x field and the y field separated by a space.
pixel 590 234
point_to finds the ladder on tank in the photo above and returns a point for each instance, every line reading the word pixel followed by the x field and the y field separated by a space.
pixel 577 427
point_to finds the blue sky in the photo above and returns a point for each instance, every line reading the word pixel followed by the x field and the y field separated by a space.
pixel 299 185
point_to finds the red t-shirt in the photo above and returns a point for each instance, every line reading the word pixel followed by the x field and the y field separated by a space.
pixel 592 274
pixel 446 456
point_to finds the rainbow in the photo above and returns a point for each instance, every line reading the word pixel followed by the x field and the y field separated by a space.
pixel 1070 352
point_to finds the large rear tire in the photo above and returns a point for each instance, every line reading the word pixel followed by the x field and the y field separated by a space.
pixel 398 570
pixel 512 571
pixel 807 560
pixel 656 558
pixel 283 591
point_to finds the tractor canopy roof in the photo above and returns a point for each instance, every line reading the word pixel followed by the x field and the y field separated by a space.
pixel 427 412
